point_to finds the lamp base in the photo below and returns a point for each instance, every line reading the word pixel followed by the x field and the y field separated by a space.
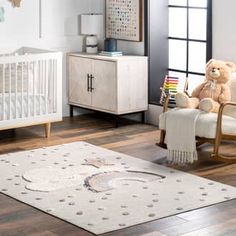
pixel 91 44
pixel 92 50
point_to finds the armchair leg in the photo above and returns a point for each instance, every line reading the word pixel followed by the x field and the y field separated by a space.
pixel 162 139
pixel 216 155
pixel 224 159
pixel 217 145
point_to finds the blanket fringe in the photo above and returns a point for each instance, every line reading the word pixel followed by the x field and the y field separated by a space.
pixel 176 156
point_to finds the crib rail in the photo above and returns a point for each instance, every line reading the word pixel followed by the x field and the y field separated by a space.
pixel 30 85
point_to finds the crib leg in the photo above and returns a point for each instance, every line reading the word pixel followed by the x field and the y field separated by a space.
pixel 47 127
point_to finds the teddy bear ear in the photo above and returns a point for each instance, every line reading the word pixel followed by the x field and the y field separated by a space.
pixel 231 65
pixel 209 62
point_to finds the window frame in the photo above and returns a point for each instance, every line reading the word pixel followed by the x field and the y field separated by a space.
pixel 156 76
pixel 208 40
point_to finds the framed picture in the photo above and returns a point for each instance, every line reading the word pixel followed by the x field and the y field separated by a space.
pixel 124 19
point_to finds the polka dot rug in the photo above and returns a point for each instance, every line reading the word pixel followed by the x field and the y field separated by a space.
pixel 101 190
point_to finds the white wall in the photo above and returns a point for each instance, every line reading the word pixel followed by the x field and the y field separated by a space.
pixel 58 28
pixel 224 30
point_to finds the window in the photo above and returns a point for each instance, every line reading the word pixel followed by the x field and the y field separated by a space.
pixel 177 41
pixel 189 39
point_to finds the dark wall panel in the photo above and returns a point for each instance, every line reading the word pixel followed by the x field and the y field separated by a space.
pixel 156 45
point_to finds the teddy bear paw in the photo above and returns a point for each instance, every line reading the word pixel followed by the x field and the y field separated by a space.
pixel 182 100
pixel 206 104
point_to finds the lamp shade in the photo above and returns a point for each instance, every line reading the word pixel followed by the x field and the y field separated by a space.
pixel 91 23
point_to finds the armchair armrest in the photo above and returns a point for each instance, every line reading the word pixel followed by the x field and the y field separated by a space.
pixel 223 106
pixel 219 129
pixel 220 116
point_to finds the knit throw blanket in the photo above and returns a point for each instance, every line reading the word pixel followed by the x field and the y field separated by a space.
pixel 180 135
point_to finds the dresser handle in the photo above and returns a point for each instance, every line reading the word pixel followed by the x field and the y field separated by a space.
pixel 91 83
pixel 88 87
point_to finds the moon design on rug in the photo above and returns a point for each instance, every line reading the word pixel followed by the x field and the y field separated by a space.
pixel 106 181
pixel 50 179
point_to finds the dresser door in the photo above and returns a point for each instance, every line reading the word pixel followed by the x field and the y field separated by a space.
pixel 105 85
pixel 79 70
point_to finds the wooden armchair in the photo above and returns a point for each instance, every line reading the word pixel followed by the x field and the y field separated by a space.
pixel 211 127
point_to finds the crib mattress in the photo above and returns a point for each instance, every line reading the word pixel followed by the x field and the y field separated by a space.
pixel 16 106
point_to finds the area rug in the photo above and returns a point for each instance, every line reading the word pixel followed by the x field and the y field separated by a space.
pixel 100 190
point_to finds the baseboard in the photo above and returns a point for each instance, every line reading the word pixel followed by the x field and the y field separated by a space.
pixel 153 113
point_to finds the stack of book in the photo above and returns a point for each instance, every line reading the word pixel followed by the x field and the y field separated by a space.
pixel 110 54
pixel 170 86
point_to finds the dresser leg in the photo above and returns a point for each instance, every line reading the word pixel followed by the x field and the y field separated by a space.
pixel 143 117
pixel 71 111
pixel 116 121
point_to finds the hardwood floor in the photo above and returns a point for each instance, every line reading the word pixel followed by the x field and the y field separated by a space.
pixel 138 140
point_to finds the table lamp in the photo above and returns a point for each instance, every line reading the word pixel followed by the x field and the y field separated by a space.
pixel 91 26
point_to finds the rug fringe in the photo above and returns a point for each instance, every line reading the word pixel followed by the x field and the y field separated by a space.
pixel 181 157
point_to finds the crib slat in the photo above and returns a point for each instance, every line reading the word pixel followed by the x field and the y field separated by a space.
pixel 10 91
pixel 34 86
pixel 39 84
pixel 16 79
pixel 50 95
pixel 46 87
pixel 55 86
pixel 28 88
pixel 49 84
pixel 3 91
pixel 43 85
pixel 52 87
pixel 22 89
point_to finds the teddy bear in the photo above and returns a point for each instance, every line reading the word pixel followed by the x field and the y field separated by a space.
pixel 213 91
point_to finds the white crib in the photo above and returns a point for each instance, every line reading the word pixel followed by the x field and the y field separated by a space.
pixel 30 88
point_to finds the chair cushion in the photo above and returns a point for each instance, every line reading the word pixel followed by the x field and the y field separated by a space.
pixel 206 124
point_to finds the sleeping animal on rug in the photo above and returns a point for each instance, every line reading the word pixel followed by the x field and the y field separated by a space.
pixel 213 91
